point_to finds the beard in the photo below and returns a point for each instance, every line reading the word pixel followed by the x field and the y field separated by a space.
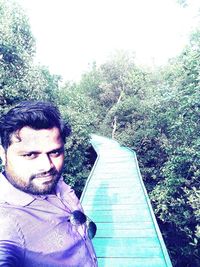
pixel 30 187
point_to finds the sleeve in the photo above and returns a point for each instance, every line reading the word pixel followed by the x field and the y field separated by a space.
pixel 11 242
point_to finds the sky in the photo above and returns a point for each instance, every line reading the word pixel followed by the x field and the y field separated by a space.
pixel 72 34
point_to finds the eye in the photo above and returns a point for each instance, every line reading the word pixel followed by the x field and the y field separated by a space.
pixel 56 153
pixel 30 155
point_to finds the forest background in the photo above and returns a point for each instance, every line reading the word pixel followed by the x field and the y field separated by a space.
pixel 156 113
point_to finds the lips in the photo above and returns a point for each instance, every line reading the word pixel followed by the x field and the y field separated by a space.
pixel 44 178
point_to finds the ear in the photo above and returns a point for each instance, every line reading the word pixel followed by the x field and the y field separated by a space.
pixel 2 155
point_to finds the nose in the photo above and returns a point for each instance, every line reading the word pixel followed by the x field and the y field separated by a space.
pixel 45 163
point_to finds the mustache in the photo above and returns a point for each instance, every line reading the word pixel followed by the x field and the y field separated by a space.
pixel 52 172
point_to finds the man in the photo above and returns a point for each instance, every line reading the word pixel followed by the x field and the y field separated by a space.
pixel 41 219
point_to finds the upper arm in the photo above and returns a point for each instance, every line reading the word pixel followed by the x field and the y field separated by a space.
pixel 11 254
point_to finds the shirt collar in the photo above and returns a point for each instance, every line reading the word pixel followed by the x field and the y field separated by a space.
pixel 11 195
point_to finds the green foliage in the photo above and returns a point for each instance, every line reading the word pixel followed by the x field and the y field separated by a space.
pixel 78 110
pixel 16 48
pixel 178 204
pixel 183 3
pixel 157 114
pixel 164 130
pixel 20 79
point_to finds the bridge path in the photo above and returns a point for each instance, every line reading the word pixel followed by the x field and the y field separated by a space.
pixel 116 199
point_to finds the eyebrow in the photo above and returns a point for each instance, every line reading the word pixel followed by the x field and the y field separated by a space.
pixel 59 149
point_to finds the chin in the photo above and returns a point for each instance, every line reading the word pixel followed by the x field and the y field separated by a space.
pixel 45 190
pixel 42 190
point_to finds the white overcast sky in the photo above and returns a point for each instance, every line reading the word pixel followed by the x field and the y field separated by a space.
pixel 70 34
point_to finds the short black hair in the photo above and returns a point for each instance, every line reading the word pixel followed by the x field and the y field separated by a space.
pixel 34 114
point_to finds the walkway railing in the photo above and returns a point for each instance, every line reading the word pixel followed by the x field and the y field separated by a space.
pixel 116 199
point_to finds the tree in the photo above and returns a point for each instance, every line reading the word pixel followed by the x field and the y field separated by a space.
pixel 178 204
pixel 17 47
pixel 157 115
pixel 20 79
pixel 79 111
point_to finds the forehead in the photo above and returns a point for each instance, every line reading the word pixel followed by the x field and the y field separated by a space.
pixel 36 139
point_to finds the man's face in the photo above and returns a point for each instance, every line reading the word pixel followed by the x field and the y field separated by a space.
pixel 34 160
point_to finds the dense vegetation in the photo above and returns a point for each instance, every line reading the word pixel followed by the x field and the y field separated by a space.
pixel 156 113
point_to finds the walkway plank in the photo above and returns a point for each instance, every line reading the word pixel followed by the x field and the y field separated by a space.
pixel 116 199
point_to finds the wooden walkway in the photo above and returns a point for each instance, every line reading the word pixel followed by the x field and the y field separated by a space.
pixel 116 199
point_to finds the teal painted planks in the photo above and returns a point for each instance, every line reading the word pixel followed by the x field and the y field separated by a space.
pixel 116 199
pixel 92 209
pixel 113 201
pixel 131 262
pixel 127 247
pixel 120 215
pixel 119 225
pixel 125 233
